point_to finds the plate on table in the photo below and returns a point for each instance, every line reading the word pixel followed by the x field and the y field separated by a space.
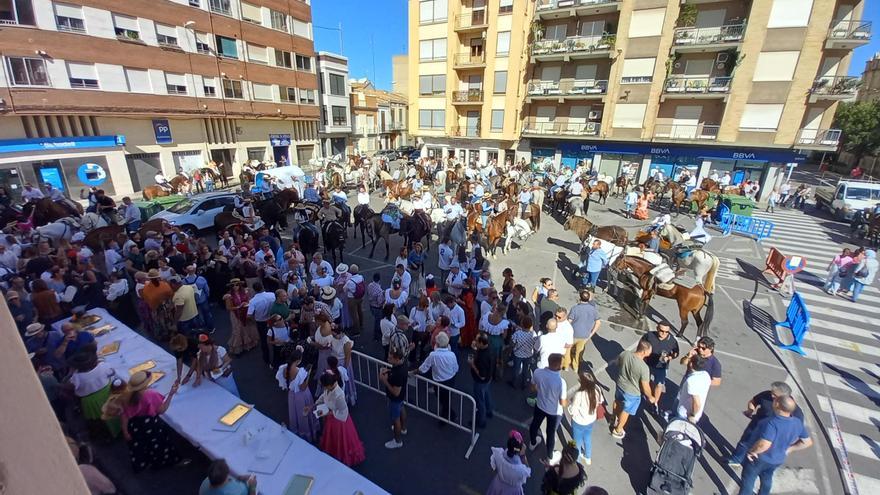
pixel 155 376
pixel 86 320
pixel 235 414
pixel 146 365
pixel 300 484
pixel 98 331
pixel 111 348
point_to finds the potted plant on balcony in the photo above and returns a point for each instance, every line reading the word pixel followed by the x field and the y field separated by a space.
pixel 687 15
pixel 558 46
pixel 537 30
pixel 695 86
pixel 580 45
pixel 607 41
pixel 818 85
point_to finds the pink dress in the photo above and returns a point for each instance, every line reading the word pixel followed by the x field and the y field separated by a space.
pixel 340 438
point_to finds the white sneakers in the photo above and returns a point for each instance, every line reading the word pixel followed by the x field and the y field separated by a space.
pixel 533 446
pixel 393 444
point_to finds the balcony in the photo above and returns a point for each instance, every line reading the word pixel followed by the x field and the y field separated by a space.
pixel 475 21
pixel 562 129
pixel 834 88
pixel 396 126
pixel 469 61
pixel 818 139
pixel 365 130
pixel 696 87
pixel 558 9
pixel 577 89
pixel 468 97
pixel 846 35
pixel 686 132
pixel 466 131
pixel 574 48
pixel 708 39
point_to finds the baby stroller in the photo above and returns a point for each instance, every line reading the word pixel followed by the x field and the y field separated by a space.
pixel 682 446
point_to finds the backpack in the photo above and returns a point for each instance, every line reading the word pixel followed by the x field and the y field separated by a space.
pixel 360 288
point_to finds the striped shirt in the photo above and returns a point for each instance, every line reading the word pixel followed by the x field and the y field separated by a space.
pixel 375 295
pixel 523 343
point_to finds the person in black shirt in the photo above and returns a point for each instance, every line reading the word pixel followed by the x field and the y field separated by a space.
pixel 481 372
pixel 185 350
pixel 758 408
pixel 394 380
pixel 664 348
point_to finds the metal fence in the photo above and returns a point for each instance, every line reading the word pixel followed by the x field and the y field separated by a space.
pixel 423 395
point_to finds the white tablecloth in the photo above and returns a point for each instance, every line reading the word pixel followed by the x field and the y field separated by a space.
pixel 194 413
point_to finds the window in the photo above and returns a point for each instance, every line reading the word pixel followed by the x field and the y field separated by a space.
pixel 432 11
pixel 761 117
pixel 646 22
pixel 69 18
pixel 432 85
pixel 251 13
pixel 262 92
pixel 503 46
pixel 138 80
pixel 340 115
pixel 126 27
pixel 505 7
pixel 337 85
pixel 257 54
pixel 303 63
pixel 283 59
pixel 790 13
pixel 432 49
pixel 500 86
pixel 220 6
pixel 775 66
pixel 288 94
pixel 209 86
pixel 497 120
pixel 28 71
pixel 17 12
pixel 232 89
pixel 301 28
pixel 629 115
pixel 279 20
pixel 202 45
pixel 166 35
pixel 637 70
pixel 432 119
pixel 82 76
pixel 175 84
pixel 307 96
pixel 226 47
pixel 195 3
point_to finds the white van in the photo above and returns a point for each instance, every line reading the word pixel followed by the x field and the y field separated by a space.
pixel 848 197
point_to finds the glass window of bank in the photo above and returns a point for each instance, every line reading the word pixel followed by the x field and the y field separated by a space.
pixel 740 170
pixel 614 164
pixel 673 166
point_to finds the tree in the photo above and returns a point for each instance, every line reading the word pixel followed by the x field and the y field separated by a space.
pixel 860 125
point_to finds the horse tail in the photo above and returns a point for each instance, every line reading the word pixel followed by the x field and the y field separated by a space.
pixel 710 313
pixel 709 283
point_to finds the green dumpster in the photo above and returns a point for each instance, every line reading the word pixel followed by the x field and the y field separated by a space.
pixel 739 205
pixel 150 208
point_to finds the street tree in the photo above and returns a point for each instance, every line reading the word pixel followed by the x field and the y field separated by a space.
pixel 860 125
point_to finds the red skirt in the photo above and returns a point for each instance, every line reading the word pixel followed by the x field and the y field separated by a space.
pixel 340 439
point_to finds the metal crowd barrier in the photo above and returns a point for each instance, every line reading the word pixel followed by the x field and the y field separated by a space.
pixel 797 319
pixel 757 228
pixel 420 396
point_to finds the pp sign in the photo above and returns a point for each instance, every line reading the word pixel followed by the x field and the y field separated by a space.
pixel 162 130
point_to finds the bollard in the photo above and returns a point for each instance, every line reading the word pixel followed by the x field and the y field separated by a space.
pixel 797 319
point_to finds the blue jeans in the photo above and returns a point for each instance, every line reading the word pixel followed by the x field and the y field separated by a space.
pixel 583 437
pixel 752 472
pixel 522 369
pixel 206 314
pixel 857 290
pixel 484 402
pixel 591 278
pixel 189 326
pixel 453 343
pixel 377 317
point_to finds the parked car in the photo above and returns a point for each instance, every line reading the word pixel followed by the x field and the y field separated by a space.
pixel 405 151
pixel 197 212
pixel 413 156
pixel 389 155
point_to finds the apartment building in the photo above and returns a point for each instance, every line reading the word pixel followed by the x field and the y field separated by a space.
pixel 400 74
pixel 379 118
pixel 726 85
pixel 104 93
pixel 334 131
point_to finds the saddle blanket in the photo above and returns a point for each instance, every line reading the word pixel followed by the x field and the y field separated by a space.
pixel 663 273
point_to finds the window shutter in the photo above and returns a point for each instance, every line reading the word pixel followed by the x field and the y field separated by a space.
pixel 646 22
pixel 629 115
pixel 138 80
pixel 301 28
pixel 65 10
pixel 262 91
pixel 257 53
pixel 251 12
pixel 175 79
pixel 776 66
pixel 166 30
pixel 638 68
pixel 125 22
pixel 761 116
pixel 790 13
pixel 81 71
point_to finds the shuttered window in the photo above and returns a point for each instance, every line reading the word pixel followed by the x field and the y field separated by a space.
pixel 629 115
pixel 759 116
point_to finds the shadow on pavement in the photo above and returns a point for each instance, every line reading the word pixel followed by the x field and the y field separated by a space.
pixel 760 321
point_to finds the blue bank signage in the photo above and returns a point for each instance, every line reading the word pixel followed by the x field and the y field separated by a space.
pixel 162 130
pixel 62 143
pixel 760 155
pixel 91 174
pixel 279 139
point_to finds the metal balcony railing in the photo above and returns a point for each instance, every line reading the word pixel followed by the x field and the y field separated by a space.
pixel 575 44
pixel 364 130
pixel 561 4
pixel 396 126
pixel 697 84
pixel 568 87
pixel 850 30
pixel 469 60
pixel 467 96
pixel 476 19
pixel 730 33
pixel 562 128
pixel 835 85
pixel 687 132
pixel 819 137
pixel 466 131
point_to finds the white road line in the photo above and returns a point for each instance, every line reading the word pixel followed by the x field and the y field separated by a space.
pixel 843 344
pixel 864 297
pixel 841 383
pixel 858 445
pixel 811 247
pixel 823 299
pixel 850 411
pixel 840 361
pixel 748 359
pixel 820 326
pixel 854 318
pixel 866 484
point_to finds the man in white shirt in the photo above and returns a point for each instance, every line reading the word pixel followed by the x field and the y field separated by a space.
pixel 445 255
pixel 549 343
pixel 258 310
pixel 551 398
pixel 694 390
pixel 443 364
pixel 575 189
pixel 31 193
pixel 564 330
pixel 131 215
pixel 456 321
pixel 112 258
pixel 455 280
pixel 484 286
pixel 402 276
pixel 353 299
pixel 260 256
pixel 318 261
pixel 714 175
pixel 323 279
pixel 363 196
pixel 452 209
pixel 53 193
pixel 725 180
pixel 8 259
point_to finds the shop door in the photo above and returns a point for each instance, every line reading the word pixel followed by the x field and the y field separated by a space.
pixel 10 180
pixel 279 152
pixel 50 172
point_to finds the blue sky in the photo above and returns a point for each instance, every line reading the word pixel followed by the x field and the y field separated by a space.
pixel 383 20
pixel 871 13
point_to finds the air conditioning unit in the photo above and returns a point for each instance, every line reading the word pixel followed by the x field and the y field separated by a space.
pixel 591 126
pixel 720 66
pixel 677 65
pixel 722 58
pixel 595 114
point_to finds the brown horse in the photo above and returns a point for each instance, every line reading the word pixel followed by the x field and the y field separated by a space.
pixel 584 228
pixel 621 185
pixel 474 217
pixel 511 188
pixel 709 185
pixel 178 185
pixel 398 189
pixel 690 300
pixel 533 215
pixel 699 197
pixel 497 227
pixel 97 239
pixel 601 188
pixel 46 211
pixel 156 225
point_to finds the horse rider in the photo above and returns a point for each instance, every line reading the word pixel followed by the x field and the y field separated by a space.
pixel 310 194
pixel 714 176
pixel 248 212
pixel 329 213
pixel 363 195
pixel 31 193
pixel 658 175
pixel 162 182
pixel 699 233
pixel 691 183
pixel 417 183
pixel 452 209
pixel 338 195
pixel 320 177
pixel 487 208
pixel 659 222
pixel 560 181
pixel 131 215
pixel 724 181
pixel 525 199
pixel 105 206
pixel 479 192
pixel 427 197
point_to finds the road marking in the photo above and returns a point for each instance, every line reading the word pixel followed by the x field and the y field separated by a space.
pixel 866 484
pixel 739 250
pixel 844 344
pixel 843 315
pixel 379 263
pixel 851 411
pixel 854 384
pixel 840 361
pixel 844 328
pixel 857 444
pixel 864 297
pixel 825 298
pixel 750 360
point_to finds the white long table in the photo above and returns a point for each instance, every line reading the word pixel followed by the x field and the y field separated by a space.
pixel 194 414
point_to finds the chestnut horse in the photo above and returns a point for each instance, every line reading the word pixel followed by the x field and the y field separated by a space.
pixel 690 300
pixel 601 188
pixel 621 185
pixel 398 189
pixel 46 211
pixel 179 184
pixel 497 227
pixel 584 228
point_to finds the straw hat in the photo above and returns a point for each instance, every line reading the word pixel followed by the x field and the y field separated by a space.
pixel 33 329
pixel 153 273
pixel 140 380
pixel 341 268
pixel 328 293
pixel 11 295
pixel 233 281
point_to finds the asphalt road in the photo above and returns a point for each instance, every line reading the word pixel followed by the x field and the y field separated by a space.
pixel 432 460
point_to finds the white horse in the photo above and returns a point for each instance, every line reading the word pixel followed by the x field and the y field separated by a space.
pixel 91 221
pixel 62 229
pixel 516 228
pixel 703 263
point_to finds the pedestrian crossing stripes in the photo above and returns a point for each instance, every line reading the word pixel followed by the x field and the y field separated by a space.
pixel 728 269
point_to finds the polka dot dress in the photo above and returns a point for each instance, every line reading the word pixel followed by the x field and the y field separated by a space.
pixel 151 443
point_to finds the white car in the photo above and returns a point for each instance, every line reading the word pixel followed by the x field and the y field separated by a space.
pixel 198 212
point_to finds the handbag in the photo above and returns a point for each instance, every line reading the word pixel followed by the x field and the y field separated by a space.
pixel 601 409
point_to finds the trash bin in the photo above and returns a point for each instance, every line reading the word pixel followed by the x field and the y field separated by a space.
pixel 739 205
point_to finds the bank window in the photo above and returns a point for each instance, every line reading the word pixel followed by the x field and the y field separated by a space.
pixel 279 20
pixel 226 47
pixel 432 11
pixel 126 27
pixel 503 46
pixel 303 63
pixel 17 12
pixel 288 94
pixel 505 7
pixel 497 120
pixel 283 59
pixel 307 96
pixel 175 84
pixel 232 89
pixel 69 18
pixel 432 119
pixel 340 116
pixel 500 82
pixel 28 71
pixel 337 85
pixel 166 35
pixel 432 85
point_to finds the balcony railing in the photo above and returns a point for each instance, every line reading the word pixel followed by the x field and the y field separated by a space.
pixel 687 132
pixel 819 137
pixel 469 60
pixel 466 131
pixel 468 96
pixel 562 128
pixel 561 4
pixel 730 33
pixel 568 87
pixel 575 44
pixel 364 130
pixel 836 85
pixel 474 20
pixel 850 30
pixel 697 85
pixel 396 126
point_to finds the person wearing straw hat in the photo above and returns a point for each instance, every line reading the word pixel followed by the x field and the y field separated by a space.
pixel 90 382
pixel 328 296
pixel 22 311
pixel 157 293
pixel 40 339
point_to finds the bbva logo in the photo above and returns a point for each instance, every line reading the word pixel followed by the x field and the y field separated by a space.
pixel 744 156
pixel 659 151
pixel 587 147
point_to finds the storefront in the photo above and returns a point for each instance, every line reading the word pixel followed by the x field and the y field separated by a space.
pixel 542 158
pixel 672 166
pixel 280 144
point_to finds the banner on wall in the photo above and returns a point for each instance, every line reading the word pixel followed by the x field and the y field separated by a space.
pixel 162 131
pixel 753 154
